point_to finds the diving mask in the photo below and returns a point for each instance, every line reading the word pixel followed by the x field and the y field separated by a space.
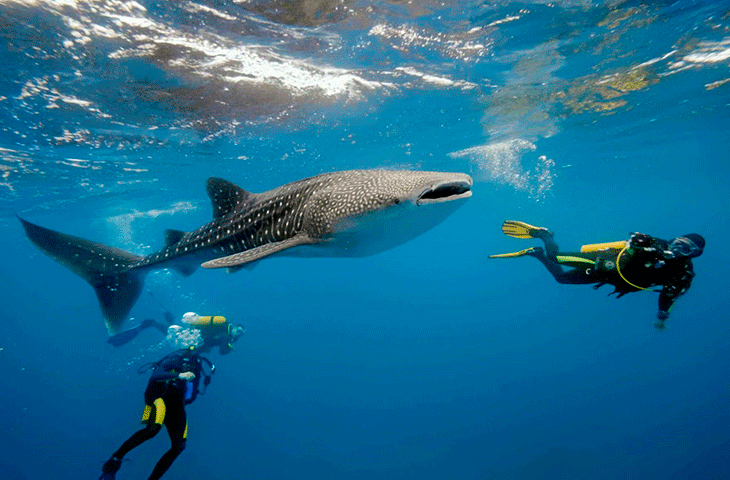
pixel 684 247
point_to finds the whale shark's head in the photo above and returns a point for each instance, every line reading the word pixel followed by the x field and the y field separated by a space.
pixel 381 188
pixel 365 212
pixel 436 187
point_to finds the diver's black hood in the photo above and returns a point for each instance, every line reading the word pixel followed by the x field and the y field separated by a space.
pixel 697 239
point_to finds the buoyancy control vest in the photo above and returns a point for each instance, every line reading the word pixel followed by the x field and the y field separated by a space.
pixel 165 376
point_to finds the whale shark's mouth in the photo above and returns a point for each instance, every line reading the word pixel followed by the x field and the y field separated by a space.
pixel 445 192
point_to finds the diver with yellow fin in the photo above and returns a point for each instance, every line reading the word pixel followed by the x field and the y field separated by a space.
pixel 630 265
pixel 174 384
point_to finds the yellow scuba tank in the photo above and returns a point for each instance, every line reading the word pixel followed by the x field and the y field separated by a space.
pixel 595 247
pixel 207 320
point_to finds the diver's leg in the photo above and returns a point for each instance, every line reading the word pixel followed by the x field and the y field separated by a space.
pixel 166 461
pixel 575 276
pixel 137 439
pixel 547 237
pixel 154 415
pixel 177 429
pixel 126 336
pixel 161 327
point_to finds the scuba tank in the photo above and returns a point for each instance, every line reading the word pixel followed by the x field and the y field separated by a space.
pixel 595 247
pixel 192 318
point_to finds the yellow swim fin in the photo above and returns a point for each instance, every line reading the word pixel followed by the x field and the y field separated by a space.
pixel 513 228
pixel 521 253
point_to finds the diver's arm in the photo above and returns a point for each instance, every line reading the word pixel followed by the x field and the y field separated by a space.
pixel 647 243
pixel 639 240
pixel 195 372
pixel 173 375
pixel 677 285
pixel 666 299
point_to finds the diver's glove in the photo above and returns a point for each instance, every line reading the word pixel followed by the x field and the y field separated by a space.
pixel 661 322
pixel 186 376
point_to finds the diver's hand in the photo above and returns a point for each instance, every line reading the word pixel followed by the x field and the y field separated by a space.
pixel 640 240
pixel 661 316
pixel 186 376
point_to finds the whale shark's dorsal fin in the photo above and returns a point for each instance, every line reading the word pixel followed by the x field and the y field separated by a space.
pixel 173 236
pixel 225 196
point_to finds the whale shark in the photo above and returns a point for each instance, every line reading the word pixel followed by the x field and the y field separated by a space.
pixel 351 213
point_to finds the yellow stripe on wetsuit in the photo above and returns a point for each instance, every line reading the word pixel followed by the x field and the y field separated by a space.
pixel 569 259
pixel 160 410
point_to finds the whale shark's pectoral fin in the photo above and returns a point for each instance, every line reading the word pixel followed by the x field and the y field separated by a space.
pixel 241 258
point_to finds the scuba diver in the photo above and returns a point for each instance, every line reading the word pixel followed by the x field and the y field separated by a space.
pixel 630 266
pixel 215 330
pixel 174 383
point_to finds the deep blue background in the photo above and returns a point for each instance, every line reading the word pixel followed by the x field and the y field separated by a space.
pixel 426 361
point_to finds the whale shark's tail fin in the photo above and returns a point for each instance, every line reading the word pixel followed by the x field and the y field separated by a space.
pixel 109 270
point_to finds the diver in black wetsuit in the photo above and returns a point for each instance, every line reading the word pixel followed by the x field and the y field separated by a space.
pixel 174 384
pixel 639 264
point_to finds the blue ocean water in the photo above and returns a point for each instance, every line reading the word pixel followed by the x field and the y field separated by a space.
pixel 595 119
